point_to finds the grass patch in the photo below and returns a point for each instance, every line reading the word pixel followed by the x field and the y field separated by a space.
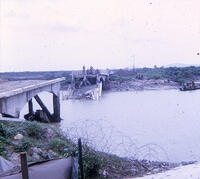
pixel 58 145
pixel 35 130
pixel 23 145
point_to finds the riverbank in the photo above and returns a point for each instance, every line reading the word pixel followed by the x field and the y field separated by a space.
pixel 44 141
pixel 191 171
pixel 124 85
pixel 144 84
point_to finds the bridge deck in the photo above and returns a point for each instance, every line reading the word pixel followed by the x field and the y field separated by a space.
pixel 10 88
pixel 12 85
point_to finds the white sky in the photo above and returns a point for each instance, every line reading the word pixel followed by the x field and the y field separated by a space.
pixel 66 34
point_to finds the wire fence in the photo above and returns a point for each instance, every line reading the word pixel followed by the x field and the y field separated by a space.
pixel 105 138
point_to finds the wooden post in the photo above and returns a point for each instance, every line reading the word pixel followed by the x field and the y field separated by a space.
pixel 80 158
pixel 44 108
pixel 30 107
pixel 1 106
pixel 97 78
pixel 73 81
pixel 24 166
pixel 56 108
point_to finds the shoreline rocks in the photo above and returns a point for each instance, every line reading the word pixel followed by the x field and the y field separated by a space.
pixel 145 84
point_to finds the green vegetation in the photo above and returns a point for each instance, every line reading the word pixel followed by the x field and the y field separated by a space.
pixel 175 74
pixel 59 145
pixel 47 139
pixel 23 145
pixel 44 141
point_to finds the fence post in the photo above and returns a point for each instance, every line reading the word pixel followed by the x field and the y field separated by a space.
pixel 80 158
pixel 24 166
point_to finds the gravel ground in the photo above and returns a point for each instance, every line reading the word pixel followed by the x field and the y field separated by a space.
pixel 191 171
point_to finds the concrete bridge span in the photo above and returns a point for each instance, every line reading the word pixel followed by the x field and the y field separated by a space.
pixel 15 94
pixel 90 77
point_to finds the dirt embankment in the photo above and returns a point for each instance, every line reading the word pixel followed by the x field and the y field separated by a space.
pixel 145 84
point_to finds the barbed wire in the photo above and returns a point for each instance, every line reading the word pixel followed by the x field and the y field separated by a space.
pixel 103 137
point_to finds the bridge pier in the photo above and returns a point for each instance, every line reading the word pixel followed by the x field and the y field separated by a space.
pixel 55 117
pixel 56 108
pixel 30 107
pixel 44 108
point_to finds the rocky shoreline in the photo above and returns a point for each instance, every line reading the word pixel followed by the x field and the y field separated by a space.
pixel 129 85
pixel 145 84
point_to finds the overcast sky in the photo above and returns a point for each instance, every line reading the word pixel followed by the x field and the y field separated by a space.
pixel 66 34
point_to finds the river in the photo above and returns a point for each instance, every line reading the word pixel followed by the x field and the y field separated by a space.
pixel 154 124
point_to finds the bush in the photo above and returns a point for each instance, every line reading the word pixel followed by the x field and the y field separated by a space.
pixel 11 128
pixel 34 129
pixel 92 162
pixel 3 131
pixel 3 146
pixel 23 145
pixel 3 150
pixel 58 145
pixel 156 76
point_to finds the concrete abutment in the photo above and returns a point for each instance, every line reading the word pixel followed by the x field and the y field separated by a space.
pixel 12 102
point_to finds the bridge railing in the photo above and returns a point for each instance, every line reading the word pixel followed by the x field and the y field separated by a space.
pixel 104 72
pixel 80 73
pixel 77 73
